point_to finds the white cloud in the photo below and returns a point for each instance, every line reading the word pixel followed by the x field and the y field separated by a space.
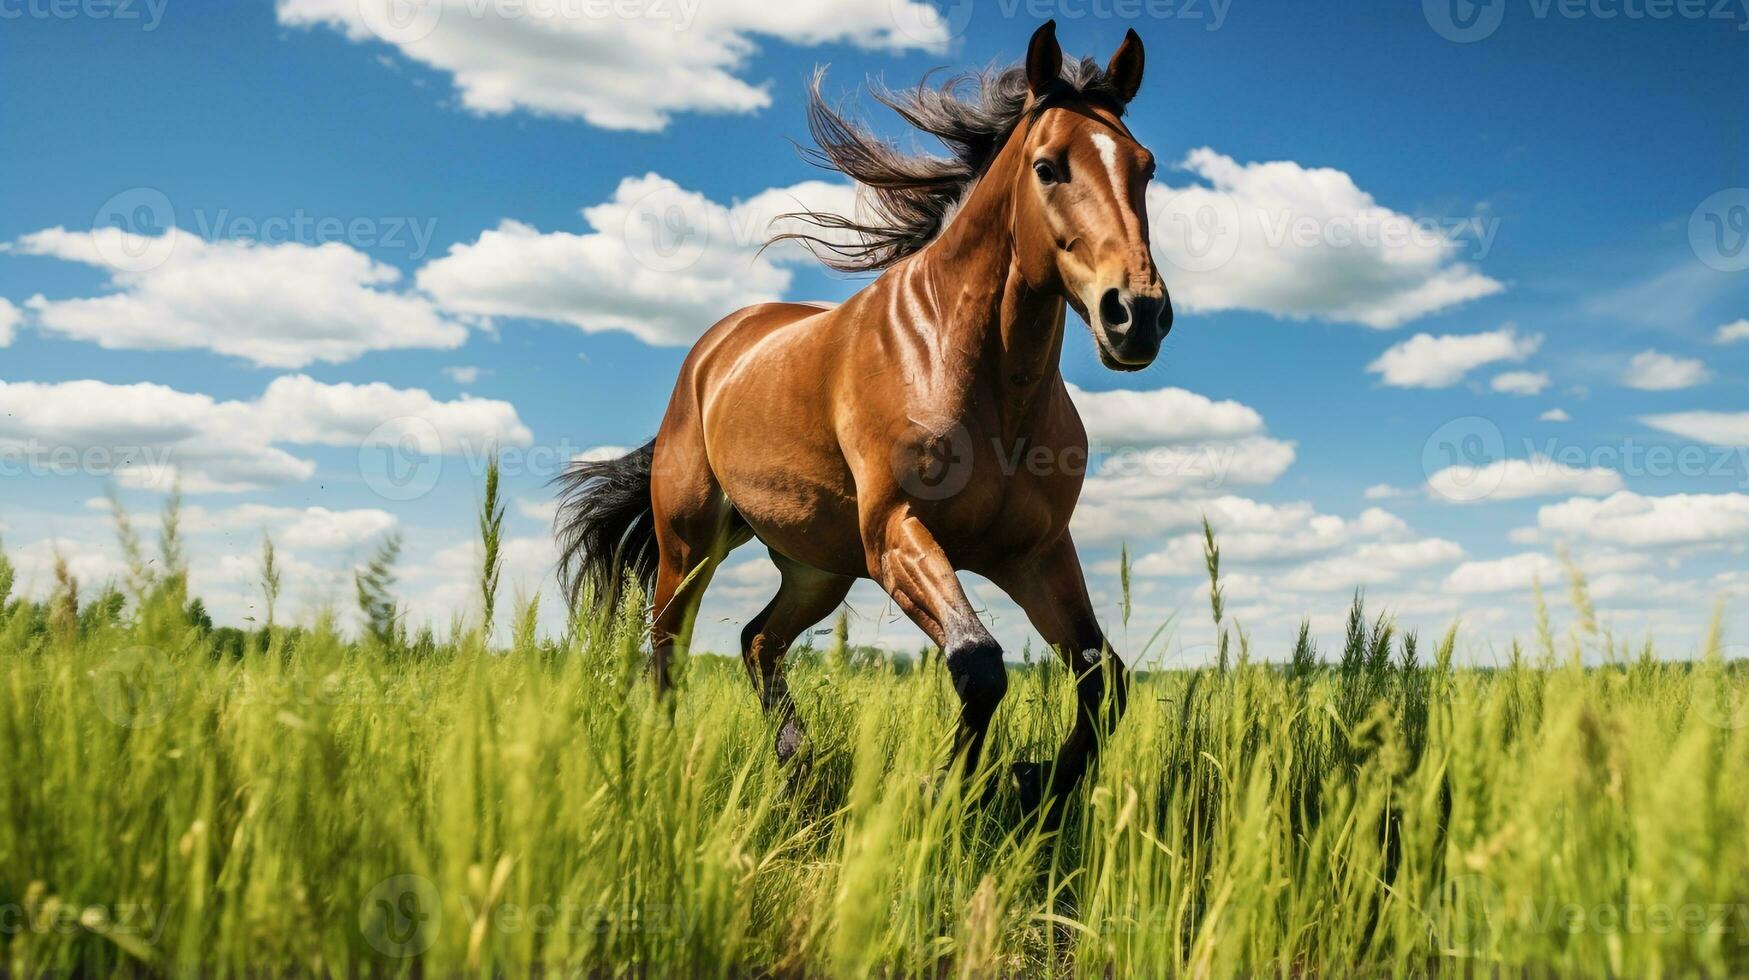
pixel 1384 491
pixel 752 581
pixel 1517 573
pixel 277 305
pixel 1521 572
pixel 1515 479
pixel 314 528
pixel 661 263
pixel 600 454
pixel 1730 333
pixel 1372 563
pixel 525 559
pixel 303 410
pixel 223 551
pixel 1160 417
pixel 462 375
pixel 1716 428
pixel 1251 532
pixel 544 511
pixel 623 66
pixel 148 435
pixel 1191 469
pixel 1651 370
pixel 1639 589
pixel 1521 382
pixel 1104 516
pixel 139 430
pixel 10 317
pixel 1426 361
pixel 316 551
pixel 447 583
pixel 1555 415
pixel 1633 520
pixel 91 567
pixel 1732 584
pixel 230 584
pixel 1157 454
pixel 1302 242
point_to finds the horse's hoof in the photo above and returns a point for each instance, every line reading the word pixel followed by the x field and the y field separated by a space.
pixel 795 768
pixel 1030 781
pixel 936 785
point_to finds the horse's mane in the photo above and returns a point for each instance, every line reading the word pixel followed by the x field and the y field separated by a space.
pixel 908 198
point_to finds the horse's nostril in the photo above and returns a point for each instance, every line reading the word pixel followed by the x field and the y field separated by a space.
pixel 1113 310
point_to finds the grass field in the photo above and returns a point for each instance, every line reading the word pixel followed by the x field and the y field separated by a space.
pixel 179 800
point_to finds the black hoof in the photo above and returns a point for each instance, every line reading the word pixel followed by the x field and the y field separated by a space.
pixel 795 763
pixel 1030 782
pixel 789 740
pixel 934 785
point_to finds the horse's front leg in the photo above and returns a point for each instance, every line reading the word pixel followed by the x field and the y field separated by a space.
pixel 908 563
pixel 1052 591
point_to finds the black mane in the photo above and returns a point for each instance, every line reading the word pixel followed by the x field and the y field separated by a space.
pixel 908 197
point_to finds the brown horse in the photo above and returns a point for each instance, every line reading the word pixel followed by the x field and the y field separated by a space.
pixel 877 438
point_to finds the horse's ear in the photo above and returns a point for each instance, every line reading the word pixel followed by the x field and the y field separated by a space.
pixel 1125 70
pixel 1044 59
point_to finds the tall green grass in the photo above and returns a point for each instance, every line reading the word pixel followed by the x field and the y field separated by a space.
pixel 300 802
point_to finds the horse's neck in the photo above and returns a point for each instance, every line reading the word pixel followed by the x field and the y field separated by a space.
pixel 974 300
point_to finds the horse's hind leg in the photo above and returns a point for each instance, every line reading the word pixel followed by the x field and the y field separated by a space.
pixel 696 527
pixel 681 578
pixel 806 596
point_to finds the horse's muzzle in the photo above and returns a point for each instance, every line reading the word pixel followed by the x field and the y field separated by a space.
pixel 1134 326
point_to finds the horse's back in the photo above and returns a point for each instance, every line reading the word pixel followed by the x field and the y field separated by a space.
pixel 734 334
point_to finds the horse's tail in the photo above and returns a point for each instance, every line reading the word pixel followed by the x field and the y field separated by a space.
pixel 606 528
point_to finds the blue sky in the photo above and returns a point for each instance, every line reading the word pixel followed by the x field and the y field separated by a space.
pixel 348 228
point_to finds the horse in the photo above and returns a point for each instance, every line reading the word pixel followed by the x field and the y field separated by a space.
pixel 875 438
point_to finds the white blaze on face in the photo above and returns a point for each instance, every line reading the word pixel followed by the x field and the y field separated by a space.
pixel 1120 198
pixel 1108 152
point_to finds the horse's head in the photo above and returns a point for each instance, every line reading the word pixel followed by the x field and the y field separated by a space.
pixel 1081 210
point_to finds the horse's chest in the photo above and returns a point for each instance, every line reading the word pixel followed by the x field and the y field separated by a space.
pixel 1015 500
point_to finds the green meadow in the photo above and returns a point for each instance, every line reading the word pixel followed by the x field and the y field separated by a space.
pixel 178 799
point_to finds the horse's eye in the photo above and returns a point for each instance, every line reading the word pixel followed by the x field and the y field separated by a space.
pixel 1047 174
